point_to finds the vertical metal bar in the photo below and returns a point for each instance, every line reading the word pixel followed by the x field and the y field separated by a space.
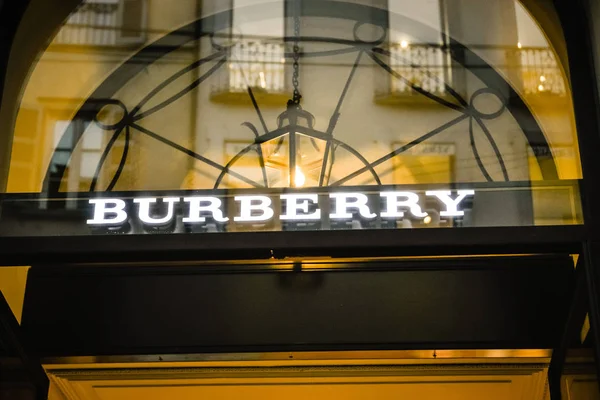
pixel 10 335
pixel 591 254
pixel 11 13
pixel 572 328
pixel 293 152
pixel 574 16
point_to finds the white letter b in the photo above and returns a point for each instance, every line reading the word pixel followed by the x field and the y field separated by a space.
pixel 101 210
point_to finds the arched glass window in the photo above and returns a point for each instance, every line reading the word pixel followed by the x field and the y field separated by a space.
pixel 257 95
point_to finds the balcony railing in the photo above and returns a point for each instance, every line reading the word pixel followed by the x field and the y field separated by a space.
pixel 105 23
pixel 427 67
pixel 423 66
pixel 255 63
pixel 540 72
pixel 94 23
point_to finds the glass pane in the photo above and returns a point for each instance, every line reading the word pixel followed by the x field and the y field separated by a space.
pixel 92 139
pixel 89 161
pixel 258 96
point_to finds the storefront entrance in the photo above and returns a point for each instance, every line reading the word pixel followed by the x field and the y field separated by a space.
pixel 299 199
pixel 226 330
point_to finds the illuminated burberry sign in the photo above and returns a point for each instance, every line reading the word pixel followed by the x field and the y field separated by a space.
pixel 259 208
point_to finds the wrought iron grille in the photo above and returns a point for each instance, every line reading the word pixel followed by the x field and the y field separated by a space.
pixel 423 70
pixel 422 65
pixel 427 66
pixel 540 72
pixel 105 23
pixel 94 23
pixel 253 63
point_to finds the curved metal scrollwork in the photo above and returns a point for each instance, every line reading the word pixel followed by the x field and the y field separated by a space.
pixel 129 124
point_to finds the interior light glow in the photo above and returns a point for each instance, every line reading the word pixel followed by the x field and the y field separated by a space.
pixel 300 179
pixel 427 220
pixel 404 44
pixel 519 45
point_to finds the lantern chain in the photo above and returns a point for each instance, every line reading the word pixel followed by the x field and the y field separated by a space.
pixel 296 56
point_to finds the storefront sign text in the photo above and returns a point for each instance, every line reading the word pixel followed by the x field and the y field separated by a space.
pixel 156 211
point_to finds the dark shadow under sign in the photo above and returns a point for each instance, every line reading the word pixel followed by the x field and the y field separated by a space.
pixel 492 302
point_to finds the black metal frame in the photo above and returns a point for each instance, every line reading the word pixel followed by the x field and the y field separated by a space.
pixel 584 240
pixel 577 29
pixel 264 245
pixel 574 322
pixel 30 372
pixel 10 335
pixel 442 298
